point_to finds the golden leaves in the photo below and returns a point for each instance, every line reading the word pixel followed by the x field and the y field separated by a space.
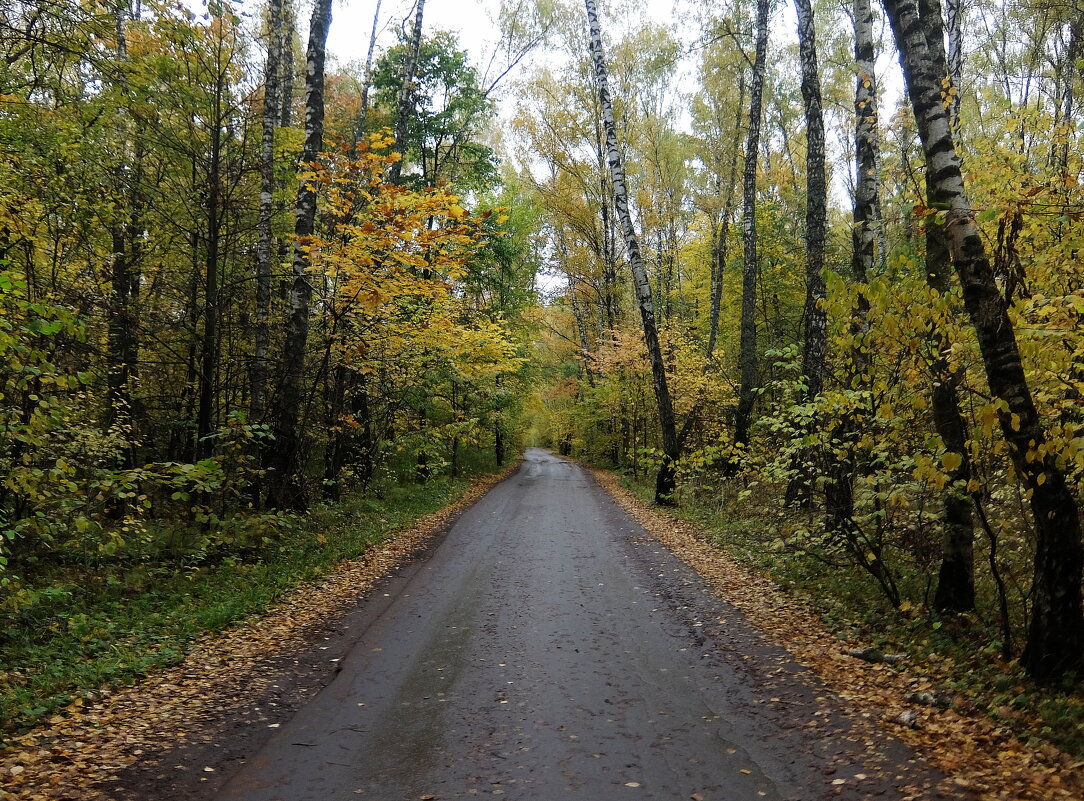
pixel 972 750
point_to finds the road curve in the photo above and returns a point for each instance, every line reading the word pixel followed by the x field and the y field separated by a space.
pixel 550 649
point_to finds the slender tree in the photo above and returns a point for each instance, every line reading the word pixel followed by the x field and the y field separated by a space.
pixel 814 316
pixel 265 237
pixel 1055 643
pixel 867 204
pixel 747 354
pixel 720 237
pixel 125 264
pixel 665 481
pixel 955 590
pixel 406 92
pixel 367 82
pixel 839 489
pixel 286 486
pixel 816 204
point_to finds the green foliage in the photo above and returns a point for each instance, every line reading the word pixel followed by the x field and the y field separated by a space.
pixel 77 631
pixel 450 108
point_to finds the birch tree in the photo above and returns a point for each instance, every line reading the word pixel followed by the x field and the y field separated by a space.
pixel 665 480
pixel 265 237
pixel 866 222
pixel 406 97
pixel 1055 644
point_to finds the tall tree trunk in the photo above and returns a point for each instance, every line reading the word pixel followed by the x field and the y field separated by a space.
pixel 665 481
pixel 265 237
pixel 839 489
pixel 1055 643
pixel 1069 71
pixel 367 83
pixel 406 94
pixel 747 353
pixel 867 204
pixel 286 43
pixel 815 318
pixel 123 324
pixel 607 244
pixel 209 340
pixel 286 489
pixel 721 234
pixel 955 590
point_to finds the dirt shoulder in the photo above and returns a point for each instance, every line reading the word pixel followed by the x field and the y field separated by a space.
pixel 971 749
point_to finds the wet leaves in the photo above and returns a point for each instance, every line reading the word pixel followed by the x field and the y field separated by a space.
pixel 966 745
pixel 224 676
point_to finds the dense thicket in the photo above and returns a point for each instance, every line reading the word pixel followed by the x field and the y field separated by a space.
pixel 214 306
pixel 935 446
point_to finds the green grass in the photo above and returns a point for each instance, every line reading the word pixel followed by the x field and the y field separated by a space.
pixel 960 653
pixel 92 629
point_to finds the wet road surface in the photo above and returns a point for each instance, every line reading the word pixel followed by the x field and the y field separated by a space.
pixel 550 649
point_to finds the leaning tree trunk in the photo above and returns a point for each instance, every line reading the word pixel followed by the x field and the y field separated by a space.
pixel 814 315
pixel 955 590
pixel 286 488
pixel 747 350
pixel 1055 644
pixel 406 94
pixel 665 482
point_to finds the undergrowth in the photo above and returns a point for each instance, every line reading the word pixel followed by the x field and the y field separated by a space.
pixel 92 629
pixel 959 653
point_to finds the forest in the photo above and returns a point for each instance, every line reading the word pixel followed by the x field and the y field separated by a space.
pixel 809 274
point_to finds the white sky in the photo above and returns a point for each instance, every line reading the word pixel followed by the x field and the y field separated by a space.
pixel 352 22
pixel 472 21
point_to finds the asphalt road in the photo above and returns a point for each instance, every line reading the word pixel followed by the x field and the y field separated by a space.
pixel 550 649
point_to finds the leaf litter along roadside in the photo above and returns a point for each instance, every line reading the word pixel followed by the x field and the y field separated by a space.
pixel 84 747
pixel 974 753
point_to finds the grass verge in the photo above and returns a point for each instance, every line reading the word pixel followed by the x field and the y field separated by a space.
pixel 959 655
pixel 96 630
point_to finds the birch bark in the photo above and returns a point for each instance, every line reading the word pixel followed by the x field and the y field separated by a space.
pixel 665 481
pixel 1055 644
pixel 406 94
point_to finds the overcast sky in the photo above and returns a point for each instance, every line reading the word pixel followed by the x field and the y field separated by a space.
pixel 352 22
